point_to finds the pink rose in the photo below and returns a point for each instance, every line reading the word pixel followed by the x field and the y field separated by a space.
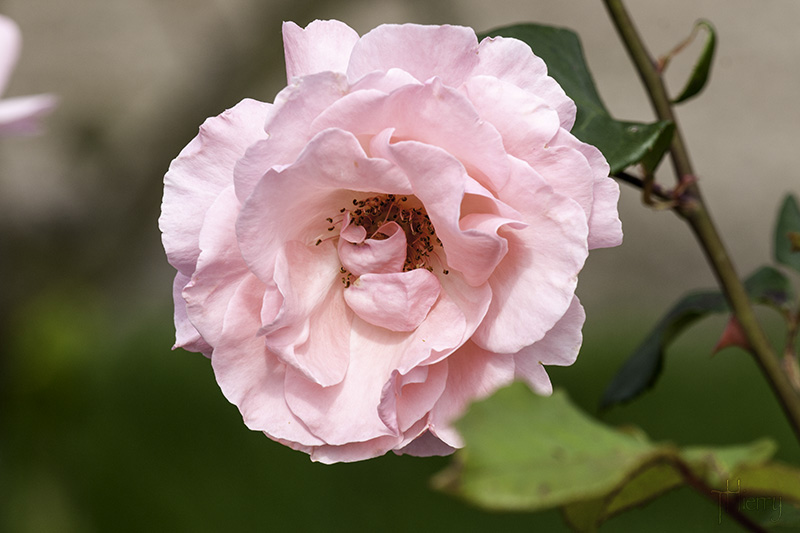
pixel 17 115
pixel 399 234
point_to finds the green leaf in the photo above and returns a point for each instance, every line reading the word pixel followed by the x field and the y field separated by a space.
pixel 769 491
pixel 622 143
pixel 775 479
pixel 769 286
pixel 652 481
pixel 720 464
pixel 641 370
pixel 788 224
pixel 530 452
pixel 702 69
pixel 714 466
pixel 526 452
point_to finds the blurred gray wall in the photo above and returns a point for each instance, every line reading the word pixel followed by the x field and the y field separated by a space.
pixel 136 79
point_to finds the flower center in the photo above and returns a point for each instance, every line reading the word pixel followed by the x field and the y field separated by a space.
pixel 422 244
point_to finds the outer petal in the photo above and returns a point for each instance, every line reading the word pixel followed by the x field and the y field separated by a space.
pixel 354 451
pixel 406 400
pixel 348 412
pixel 399 301
pixel 20 116
pixel 580 171
pixel 534 284
pixel 525 121
pixel 251 377
pixel 220 268
pixel 10 44
pixel 186 336
pixel 386 82
pixel 201 171
pixel 426 445
pixel 431 113
pixel 448 52
pixel 288 127
pixel 512 60
pixel 311 329
pixel 473 374
pixel 559 347
pixel 472 301
pixel 605 228
pixel 324 45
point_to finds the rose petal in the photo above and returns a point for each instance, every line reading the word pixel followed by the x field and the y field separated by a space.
pixel 559 346
pixel 354 451
pixel 311 332
pixel 324 45
pixel 431 113
pixel 580 171
pixel 525 121
pixel 250 377
pixel 473 374
pixel 605 228
pixel 325 177
pixel 348 411
pixel 20 116
pixel 426 445
pixel 512 60
pixel 372 255
pixel 201 171
pixel 534 284
pixel 566 170
pixel 473 302
pixel 479 200
pixel 399 301
pixel 186 336
pixel 472 245
pixel 220 268
pixel 352 233
pixel 287 129
pixel 408 47
pixel 385 82
pixel 406 400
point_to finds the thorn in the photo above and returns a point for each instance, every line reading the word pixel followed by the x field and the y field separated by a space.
pixel 732 336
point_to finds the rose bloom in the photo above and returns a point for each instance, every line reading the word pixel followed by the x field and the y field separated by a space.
pixel 18 115
pixel 397 235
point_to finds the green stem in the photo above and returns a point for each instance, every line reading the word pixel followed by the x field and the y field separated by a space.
pixel 729 506
pixel 692 208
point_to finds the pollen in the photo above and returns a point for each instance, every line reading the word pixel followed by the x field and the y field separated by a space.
pixel 372 213
pixel 424 248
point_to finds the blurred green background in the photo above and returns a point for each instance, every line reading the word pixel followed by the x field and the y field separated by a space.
pixel 103 428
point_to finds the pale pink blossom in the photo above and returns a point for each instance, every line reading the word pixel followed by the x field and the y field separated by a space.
pixel 398 234
pixel 19 115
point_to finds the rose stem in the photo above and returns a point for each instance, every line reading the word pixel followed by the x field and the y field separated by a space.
pixel 690 207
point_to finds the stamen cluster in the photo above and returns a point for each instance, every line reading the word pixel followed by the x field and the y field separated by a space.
pixel 372 213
